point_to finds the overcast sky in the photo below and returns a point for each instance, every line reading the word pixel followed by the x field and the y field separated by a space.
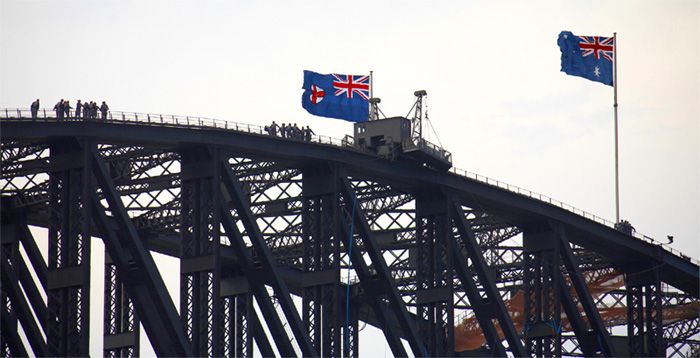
pixel 496 97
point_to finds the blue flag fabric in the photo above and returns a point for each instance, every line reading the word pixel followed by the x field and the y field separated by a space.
pixel 589 57
pixel 336 96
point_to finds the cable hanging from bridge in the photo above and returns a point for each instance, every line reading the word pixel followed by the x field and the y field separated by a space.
pixel 347 288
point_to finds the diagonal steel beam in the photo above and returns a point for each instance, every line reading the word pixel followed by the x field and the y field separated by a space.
pixel 382 282
pixel 596 323
pixel 492 294
pixel 242 205
pixel 575 320
pixel 32 292
pixel 260 337
pixel 374 291
pixel 481 309
pixel 137 268
pixel 21 230
pixel 248 267
pixel 10 286
pixel 32 250
pixel 11 337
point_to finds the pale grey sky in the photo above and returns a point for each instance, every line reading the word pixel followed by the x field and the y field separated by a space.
pixel 491 68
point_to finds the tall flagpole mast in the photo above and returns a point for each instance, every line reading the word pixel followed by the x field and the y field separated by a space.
pixel 617 177
pixel 372 106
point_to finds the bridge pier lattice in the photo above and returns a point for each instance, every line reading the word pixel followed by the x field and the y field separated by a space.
pixel 434 273
pixel 121 325
pixel 644 313
pixel 68 276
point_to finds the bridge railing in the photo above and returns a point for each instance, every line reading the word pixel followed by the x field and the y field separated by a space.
pixel 46 114
pixel 547 199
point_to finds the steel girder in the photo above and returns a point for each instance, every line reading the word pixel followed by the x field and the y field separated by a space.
pixel 602 343
pixel 68 279
pixel 14 307
pixel 681 330
pixel 16 230
pixel 491 306
pixel 249 269
pixel 15 151
pixel 241 205
pixel 547 249
pixel 322 235
pixel 200 260
pixel 677 271
pixel 18 310
pixel 139 272
pixel 497 254
pixel 240 322
pixel 684 348
pixel 379 285
pixel 678 337
pixel 121 325
pixel 10 342
pixel 644 312
pixel 434 273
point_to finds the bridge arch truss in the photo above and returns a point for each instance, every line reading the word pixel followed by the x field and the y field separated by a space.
pixel 291 247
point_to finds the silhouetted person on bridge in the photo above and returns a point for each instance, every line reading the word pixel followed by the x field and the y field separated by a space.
pixel 78 108
pixel 59 109
pixel 273 129
pixel 308 133
pixel 625 227
pixel 104 109
pixel 34 108
pixel 93 110
pixel 283 131
pixel 66 109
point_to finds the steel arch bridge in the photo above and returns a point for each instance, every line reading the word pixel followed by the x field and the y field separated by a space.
pixel 289 247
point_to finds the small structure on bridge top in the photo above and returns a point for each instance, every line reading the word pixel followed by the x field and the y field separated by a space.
pixel 400 138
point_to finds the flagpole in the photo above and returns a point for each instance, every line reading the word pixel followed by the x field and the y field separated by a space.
pixel 617 177
pixel 372 105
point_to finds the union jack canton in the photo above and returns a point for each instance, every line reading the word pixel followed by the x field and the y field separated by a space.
pixel 349 85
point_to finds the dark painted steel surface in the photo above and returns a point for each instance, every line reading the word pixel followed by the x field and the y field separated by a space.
pixel 421 260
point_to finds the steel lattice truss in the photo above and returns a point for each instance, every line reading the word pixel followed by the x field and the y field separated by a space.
pixel 253 231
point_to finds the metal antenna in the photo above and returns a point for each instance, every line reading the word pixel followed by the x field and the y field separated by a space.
pixel 418 115
pixel 374 108
pixel 427 120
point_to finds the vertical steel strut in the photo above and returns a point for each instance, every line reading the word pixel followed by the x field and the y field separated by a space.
pixel 68 276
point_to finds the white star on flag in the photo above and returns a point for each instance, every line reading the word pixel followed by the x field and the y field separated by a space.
pixel 597 71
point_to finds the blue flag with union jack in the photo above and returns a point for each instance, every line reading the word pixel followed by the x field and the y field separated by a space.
pixel 589 57
pixel 336 96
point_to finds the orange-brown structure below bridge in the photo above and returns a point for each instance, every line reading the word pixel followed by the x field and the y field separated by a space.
pixel 468 334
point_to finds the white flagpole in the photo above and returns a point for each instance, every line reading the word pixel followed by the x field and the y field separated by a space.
pixel 617 178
